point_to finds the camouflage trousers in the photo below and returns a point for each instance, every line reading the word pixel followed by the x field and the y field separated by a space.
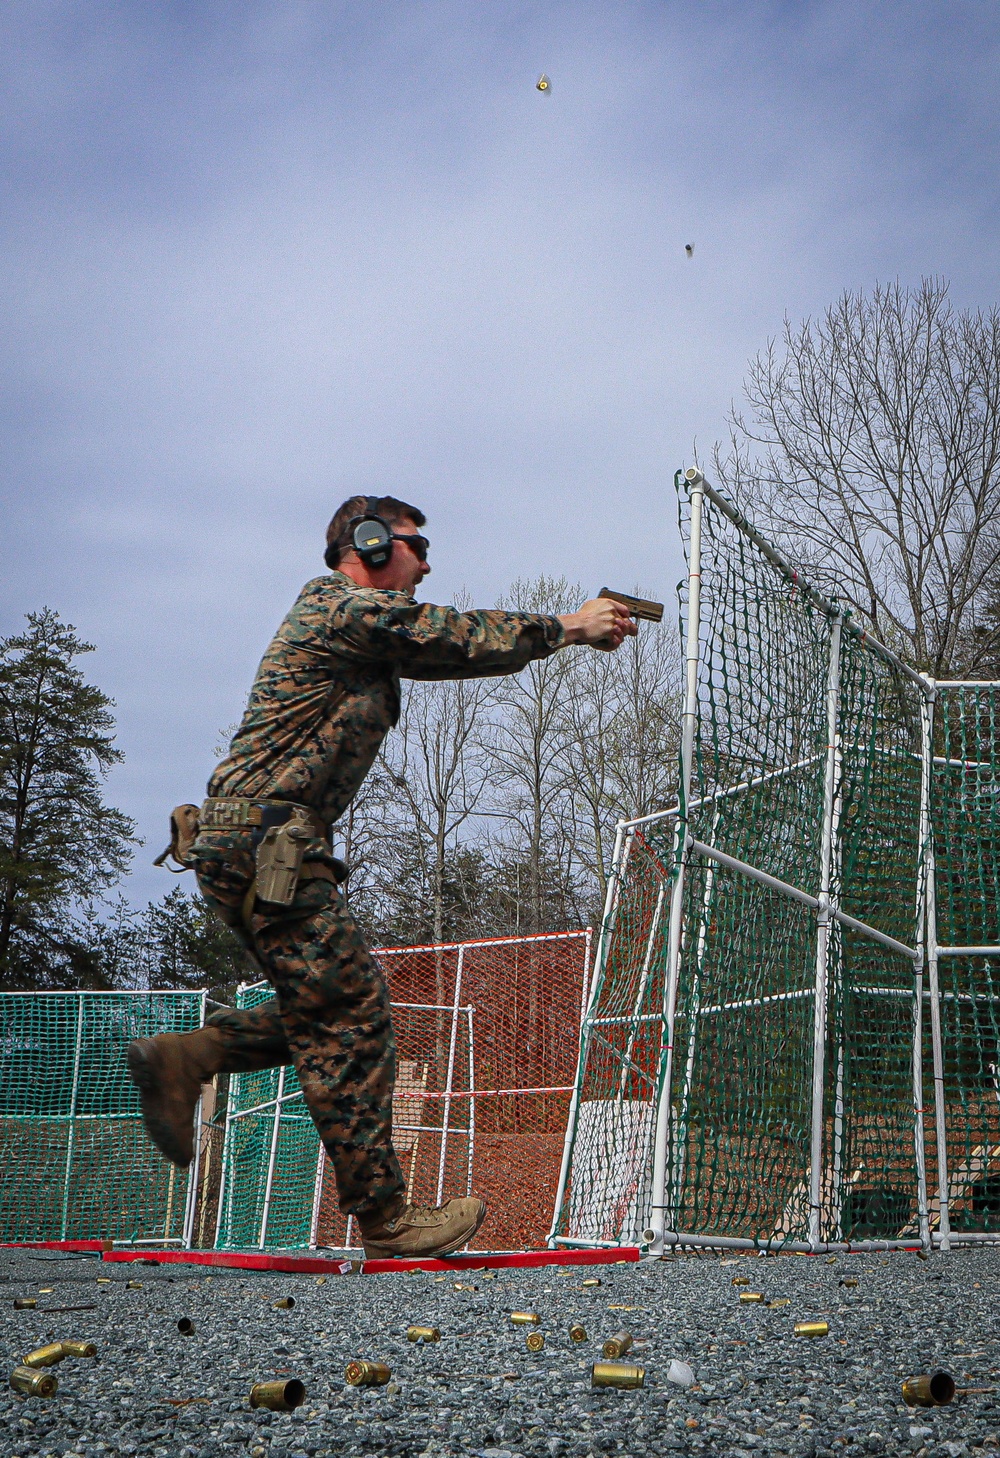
pixel 329 1017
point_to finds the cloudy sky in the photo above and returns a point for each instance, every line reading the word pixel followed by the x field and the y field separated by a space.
pixel 259 255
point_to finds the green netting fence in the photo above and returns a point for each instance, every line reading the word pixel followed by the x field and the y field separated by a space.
pixel 76 1160
pixel 271 1167
pixel 794 1034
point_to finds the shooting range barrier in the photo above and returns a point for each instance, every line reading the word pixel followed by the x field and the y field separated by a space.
pixel 76 1160
pixel 487 1036
pixel 794 1032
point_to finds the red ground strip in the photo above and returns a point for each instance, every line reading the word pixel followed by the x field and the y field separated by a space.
pixel 325 1266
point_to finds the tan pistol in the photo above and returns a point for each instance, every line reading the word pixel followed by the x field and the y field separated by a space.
pixel 639 607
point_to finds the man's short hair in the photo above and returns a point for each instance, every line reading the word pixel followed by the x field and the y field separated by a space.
pixel 388 507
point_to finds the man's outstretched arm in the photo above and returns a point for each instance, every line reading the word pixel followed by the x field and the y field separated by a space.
pixel 432 642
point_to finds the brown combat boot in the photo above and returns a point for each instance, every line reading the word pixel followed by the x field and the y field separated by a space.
pixel 418 1230
pixel 168 1071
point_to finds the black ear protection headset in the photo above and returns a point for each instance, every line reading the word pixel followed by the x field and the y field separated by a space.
pixel 369 534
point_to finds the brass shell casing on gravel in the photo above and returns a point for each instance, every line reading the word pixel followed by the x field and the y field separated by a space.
pixel 25 1303
pixel 46 1356
pixel 525 1318
pixel 616 1374
pixel 278 1396
pixel 285 1304
pixel 186 1326
pixel 78 1349
pixel 933 1389
pixel 812 1328
pixel 534 1341
pixel 577 1332
pixel 751 1298
pixel 422 1334
pixel 367 1374
pixel 848 1280
pixel 592 1281
pixel 34 1384
pixel 616 1346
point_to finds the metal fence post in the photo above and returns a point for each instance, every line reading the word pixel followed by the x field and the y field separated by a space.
pixel 449 1083
pixel 923 838
pixel 823 931
pixel 937 1046
pixel 472 1100
pixel 194 1173
pixel 693 1015
pixel 71 1131
pixel 273 1157
pixel 692 657
pixel 317 1198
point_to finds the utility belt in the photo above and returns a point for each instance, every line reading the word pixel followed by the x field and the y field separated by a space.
pixel 280 830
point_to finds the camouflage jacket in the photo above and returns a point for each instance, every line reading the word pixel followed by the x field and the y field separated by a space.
pixel 327 690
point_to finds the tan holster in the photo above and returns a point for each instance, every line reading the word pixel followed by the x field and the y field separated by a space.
pixel 183 830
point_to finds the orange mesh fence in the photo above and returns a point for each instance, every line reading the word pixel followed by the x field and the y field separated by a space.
pixel 487 1037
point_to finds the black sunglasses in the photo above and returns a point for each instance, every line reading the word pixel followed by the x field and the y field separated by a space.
pixel 418 545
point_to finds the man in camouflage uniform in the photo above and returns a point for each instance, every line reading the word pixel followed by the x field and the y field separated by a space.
pixel 326 694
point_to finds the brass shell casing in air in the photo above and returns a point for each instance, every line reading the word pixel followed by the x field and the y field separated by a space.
pixel 78 1349
pixel 25 1303
pixel 616 1374
pixel 278 1396
pixel 367 1374
pixel 35 1384
pixel 186 1326
pixel 46 1356
pixel 285 1304
pixel 933 1389
pixel 422 1334
pixel 751 1298
pixel 577 1333
pixel 525 1318
pixel 534 1341
pixel 617 1345
pixel 812 1328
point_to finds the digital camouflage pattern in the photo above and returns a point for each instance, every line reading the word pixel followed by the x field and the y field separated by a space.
pixel 327 690
pixel 325 696
pixel 330 1017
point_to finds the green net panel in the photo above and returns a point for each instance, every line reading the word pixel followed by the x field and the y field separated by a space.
pixel 757 1061
pixel 966 875
pixel 270 1157
pixel 76 1160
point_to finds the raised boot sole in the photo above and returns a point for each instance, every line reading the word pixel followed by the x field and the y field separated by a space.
pixel 377 1250
pixel 169 1135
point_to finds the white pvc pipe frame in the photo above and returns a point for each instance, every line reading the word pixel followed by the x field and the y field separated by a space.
pixel 925 955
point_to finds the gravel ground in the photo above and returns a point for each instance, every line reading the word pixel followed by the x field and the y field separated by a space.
pixel 759 1389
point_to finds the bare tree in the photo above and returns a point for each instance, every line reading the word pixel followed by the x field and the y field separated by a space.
pixel 526 745
pixel 872 451
pixel 436 764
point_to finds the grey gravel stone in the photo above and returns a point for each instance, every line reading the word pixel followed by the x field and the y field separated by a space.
pixel 758 1389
